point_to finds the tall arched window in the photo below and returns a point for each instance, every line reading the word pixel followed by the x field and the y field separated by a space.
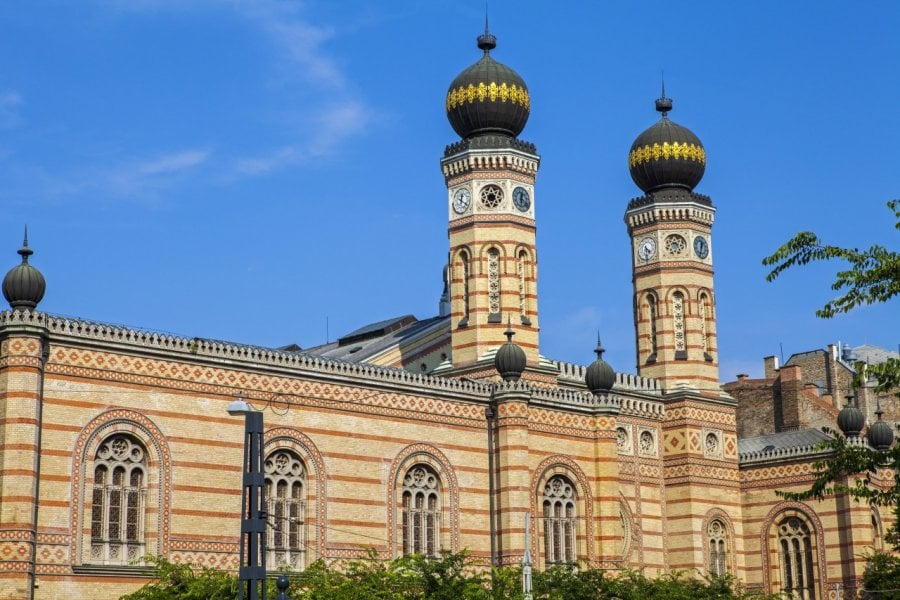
pixel 560 521
pixel 703 309
pixel 119 496
pixel 522 265
pixel 285 476
pixel 465 275
pixel 421 511
pixel 796 555
pixel 651 313
pixel 493 269
pixel 678 325
pixel 717 540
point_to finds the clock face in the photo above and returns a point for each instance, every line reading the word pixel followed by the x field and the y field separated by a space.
pixel 647 248
pixel 521 199
pixel 701 247
pixel 461 200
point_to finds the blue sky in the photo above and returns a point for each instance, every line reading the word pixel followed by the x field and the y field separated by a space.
pixel 250 170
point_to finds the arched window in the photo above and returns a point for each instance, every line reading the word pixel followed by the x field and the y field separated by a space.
pixel 523 286
pixel 285 476
pixel 651 311
pixel 119 496
pixel 796 556
pixel 717 540
pixel 493 268
pixel 560 521
pixel 626 532
pixel 421 511
pixel 465 275
pixel 703 309
pixel 678 324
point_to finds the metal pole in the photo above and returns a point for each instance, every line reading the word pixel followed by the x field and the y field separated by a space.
pixel 252 570
pixel 526 561
pixel 489 415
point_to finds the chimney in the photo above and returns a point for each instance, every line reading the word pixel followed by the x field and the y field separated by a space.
pixel 770 364
pixel 830 360
pixel 791 397
pixel 742 377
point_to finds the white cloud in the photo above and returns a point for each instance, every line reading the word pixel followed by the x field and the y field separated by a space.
pixel 131 179
pixel 9 105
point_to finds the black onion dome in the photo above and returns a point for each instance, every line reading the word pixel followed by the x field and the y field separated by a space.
pixel 851 420
pixel 880 433
pixel 599 376
pixel 24 286
pixel 666 154
pixel 488 97
pixel 510 359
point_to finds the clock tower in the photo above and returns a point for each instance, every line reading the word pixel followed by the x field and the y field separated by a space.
pixel 670 228
pixel 490 176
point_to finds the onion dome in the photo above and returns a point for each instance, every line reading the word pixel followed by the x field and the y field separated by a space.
pixel 24 286
pixel 880 434
pixel 488 97
pixel 510 359
pixel 599 376
pixel 666 154
pixel 851 420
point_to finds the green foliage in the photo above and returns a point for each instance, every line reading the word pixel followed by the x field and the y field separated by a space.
pixel 882 576
pixel 873 274
pixel 451 577
pixel 182 582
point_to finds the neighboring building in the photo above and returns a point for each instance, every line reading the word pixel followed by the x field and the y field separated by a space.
pixel 401 436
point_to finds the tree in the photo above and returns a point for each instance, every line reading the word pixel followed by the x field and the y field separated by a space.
pixel 873 276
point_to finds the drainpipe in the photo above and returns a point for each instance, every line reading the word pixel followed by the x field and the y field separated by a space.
pixel 45 353
pixel 489 414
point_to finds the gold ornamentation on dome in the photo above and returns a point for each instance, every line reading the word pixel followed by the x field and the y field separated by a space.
pixel 675 150
pixel 492 92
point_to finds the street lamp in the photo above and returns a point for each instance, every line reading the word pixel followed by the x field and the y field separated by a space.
pixel 252 569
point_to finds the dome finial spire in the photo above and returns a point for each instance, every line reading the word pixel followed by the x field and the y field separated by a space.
pixel 599 350
pixel 509 333
pixel 25 251
pixel 663 103
pixel 487 41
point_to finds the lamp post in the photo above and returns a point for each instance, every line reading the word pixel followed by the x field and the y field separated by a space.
pixel 252 569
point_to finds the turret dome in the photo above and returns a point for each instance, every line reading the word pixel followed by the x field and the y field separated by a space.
pixel 880 434
pixel 599 376
pixel 510 360
pixel 24 286
pixel 851 420
pixel 666 154
pixel 488 97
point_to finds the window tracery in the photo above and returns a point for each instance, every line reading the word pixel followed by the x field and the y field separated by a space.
pixel 491 196
pixel 523 291
pixel 493 256
pixel 717 540
pixel 560 521
pixel 465 275
pixel 651 305
pixel 421 511
pixel 704 317
pixel 285 479
pixel 678 318
pixel 119 496
pixel 796 555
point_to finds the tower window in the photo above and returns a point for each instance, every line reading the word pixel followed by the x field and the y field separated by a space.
pixel 493 259
pixel 465 275
pixel 651 310
pixel 678 325
pixel 491 196
pixel 559 521
pixel 285 477
pixel 523 286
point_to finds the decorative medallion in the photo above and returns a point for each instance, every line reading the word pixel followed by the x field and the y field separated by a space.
pixel 665 151
pixel 623 440
pixel 647 443
pixel 488 92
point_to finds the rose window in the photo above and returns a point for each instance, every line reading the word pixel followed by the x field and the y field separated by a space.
pixel 675 244
pixel 621 438
pixel 491 196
